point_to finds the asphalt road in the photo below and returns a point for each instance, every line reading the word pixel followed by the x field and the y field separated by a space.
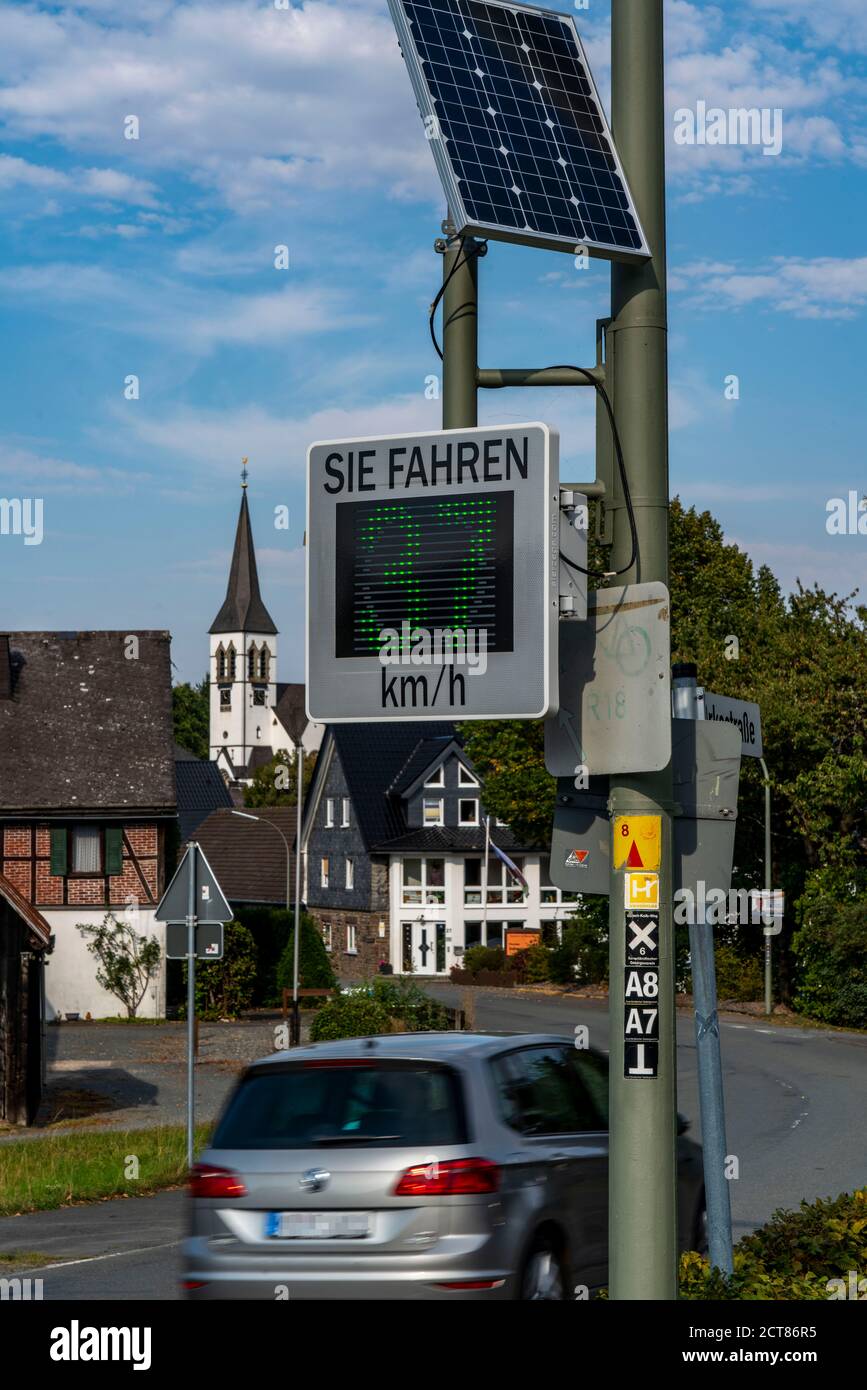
pixel 796 1105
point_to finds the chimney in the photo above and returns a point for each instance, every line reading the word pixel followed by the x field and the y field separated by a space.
pixel 5 668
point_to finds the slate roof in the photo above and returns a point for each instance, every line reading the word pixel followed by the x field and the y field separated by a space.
pixel 243 608
pixel 201 790
pixel 372 756
pixel 290 710
pixel 444 839
pixel 426 751
pixel 88 728
pixel 249 859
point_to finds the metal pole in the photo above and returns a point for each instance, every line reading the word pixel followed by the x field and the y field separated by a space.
pixel 296 1024
pixel 460 336
pixel 688 703
pixel 768 983
pixel 642 1165
pixel 191 1002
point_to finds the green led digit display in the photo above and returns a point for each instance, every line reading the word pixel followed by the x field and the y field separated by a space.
pixel 432 562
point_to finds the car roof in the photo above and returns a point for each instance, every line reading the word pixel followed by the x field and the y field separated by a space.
pixel 443 1046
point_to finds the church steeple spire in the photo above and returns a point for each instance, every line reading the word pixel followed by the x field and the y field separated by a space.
pixel 243 609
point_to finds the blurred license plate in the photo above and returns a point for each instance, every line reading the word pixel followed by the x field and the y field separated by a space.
pixel 317 1225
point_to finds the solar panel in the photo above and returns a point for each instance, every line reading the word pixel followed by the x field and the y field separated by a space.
pixel 516 126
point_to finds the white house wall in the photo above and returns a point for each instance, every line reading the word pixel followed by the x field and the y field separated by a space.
pixel 70 975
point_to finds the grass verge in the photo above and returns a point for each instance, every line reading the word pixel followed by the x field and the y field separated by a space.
pixel 63 1170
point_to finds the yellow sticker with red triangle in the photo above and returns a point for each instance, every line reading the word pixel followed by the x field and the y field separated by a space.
pixel 637 842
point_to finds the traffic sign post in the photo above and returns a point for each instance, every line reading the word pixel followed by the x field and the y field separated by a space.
pixel 194 888
pixel 643 1111
pixel 433 575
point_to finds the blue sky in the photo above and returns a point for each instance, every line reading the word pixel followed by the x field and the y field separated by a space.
pixel 261 127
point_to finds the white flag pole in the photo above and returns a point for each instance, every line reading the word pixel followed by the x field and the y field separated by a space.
pixel 485 881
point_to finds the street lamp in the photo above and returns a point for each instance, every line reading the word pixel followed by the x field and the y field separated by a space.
pixel 245 815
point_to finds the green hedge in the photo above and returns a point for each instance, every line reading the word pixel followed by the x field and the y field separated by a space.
pixel 796 1255
pixel 830 952
pixel 381 1005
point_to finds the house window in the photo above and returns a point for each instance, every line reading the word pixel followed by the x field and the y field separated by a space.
pixel 351 946
pixel 225 697
pixel 232 657
pixel 502 887
pixel 465 777
pixel 472 934
pixel 344 811
pixel 350 873
pixel 468 811
pixel 86 849
pixel 432 811
pixel 251 661
pixel 424 881
pixel 326 934
pixel 323 871
pixel 259 695
pixel 264 654
pixel 221 663
pixel 437 778
pixel 329 811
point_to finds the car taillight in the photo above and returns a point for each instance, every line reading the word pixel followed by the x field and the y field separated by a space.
pixel 207 1181
pixel 453 1177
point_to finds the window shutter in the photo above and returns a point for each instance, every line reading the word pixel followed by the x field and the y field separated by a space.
pixel 113 850
pixel 58 851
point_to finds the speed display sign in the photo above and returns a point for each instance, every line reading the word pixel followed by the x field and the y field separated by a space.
pixel 432 575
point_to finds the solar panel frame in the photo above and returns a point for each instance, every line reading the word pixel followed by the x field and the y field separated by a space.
pixel 466 151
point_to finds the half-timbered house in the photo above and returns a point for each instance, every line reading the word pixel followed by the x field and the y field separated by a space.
pixel 87 795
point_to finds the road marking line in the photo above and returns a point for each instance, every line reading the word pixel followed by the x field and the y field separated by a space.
pixel 91 1259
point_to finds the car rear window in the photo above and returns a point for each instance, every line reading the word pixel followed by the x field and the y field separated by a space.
pixel 309 1105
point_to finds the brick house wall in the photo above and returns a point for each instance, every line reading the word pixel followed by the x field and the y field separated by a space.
pixel 25 859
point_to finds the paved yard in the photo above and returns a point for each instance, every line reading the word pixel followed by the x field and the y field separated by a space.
pixel 125 1076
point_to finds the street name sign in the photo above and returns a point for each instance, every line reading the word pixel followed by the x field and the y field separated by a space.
pixel 615 685
pixel 209 901
pixel 433 575
pixel 742 713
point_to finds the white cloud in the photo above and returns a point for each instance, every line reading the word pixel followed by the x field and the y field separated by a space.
pixel 824 287
pixel 251 101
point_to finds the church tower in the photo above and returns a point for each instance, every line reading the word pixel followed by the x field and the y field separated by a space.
pixel 243 664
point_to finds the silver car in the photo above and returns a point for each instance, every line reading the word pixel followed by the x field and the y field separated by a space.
pixel 421 1165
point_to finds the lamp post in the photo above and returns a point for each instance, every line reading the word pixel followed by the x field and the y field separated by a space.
pixel 263 820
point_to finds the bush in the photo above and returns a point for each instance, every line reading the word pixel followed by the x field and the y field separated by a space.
pixel 406 1002
pixel 582 956
pixel 831 957
pixel 484 958
pixel 350 1016
pixel 794 1256
pixel 737 976
pixel 533 963
pixel 314 967
pixel 224 988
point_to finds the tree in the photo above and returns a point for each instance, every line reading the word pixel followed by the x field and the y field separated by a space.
pixel 803 659
pixel 191 717
pixel 275 782
pixel 127 962
pixel 224 988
